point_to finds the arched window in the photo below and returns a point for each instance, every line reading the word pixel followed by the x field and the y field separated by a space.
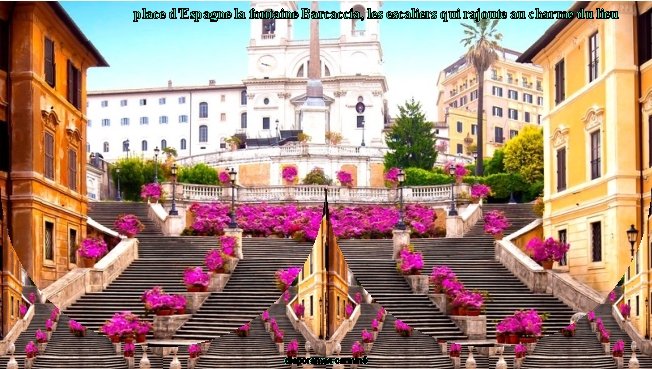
pixel 327 72
pixel 357 26
pixel 143 145
pixel 300 72
pixel 164 144
pixel 243 120
pixel 105 146
pixel 203 110
pixel 203 133
pixel 243 98
pixel 269 25
pixel 182 145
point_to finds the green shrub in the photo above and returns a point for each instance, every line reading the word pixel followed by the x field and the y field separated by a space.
pixel 317 177
pixel 423 177
pixel 503 184
pixel 198 174
pixel 135 172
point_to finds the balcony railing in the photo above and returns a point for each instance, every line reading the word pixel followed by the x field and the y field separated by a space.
pixel 267 36
pixel 357 32
pixel 313 193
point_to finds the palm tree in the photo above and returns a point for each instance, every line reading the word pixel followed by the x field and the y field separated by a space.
pixel 482 40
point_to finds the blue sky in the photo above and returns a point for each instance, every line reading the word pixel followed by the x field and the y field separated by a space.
pixel 151 52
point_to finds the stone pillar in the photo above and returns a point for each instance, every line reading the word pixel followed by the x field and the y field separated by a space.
pixel 194 300
pixel 174 225
pixel 401 239
pixel 218 281
pixel 166 326
pixel 237 233
pixel 419 283
pixel 454 226
pixel 475 327
pixel 441 300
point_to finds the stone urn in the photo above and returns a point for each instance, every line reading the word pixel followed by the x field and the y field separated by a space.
pixel 144 361
pixel 367 347
pixel 470 360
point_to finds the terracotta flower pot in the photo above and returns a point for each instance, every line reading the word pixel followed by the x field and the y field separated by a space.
pixel 472 311
pixel 195 288
pixel 525 339
pixel 512 339
pixel 180 311
pixel 547 264
pixel 115 339
pixel 163 312
pixel 498 236
pixel 462 311
pixel 500 337
pixel 141 337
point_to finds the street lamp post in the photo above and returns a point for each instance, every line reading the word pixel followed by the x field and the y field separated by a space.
pixel 632 236
pixel 156 151
pixel 173 170
pixel 401 178
pixel 232 176
pixel 453 209
pixel 362 144
pixel 475 157
pixel 118 197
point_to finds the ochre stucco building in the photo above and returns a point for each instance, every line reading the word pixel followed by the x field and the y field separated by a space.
pixel 43 62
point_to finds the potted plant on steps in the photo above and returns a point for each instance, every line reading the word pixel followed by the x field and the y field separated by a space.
pixel 76 328
pixel 42 339
pixel 278 339
pixel 402 328
pixel 617 352
pixel 479 192
pixel 520 351
pixel 292 352
pixel 495 223
pixel 374 328
pixel 299 310
pixel 454 352
pixel 590 316
pixel 179 303
pixel 439 275
pixel 265 318
pixel 31 350
pixel 367 340
pixel 22 310
pixel 142 328
pixel 196 280
pixel 49 327
pixel 625 310
pixel 357 351
pixel 91 249
pixel 548 251
pixel 243 330
pixel 348 310
pixel 128 225
pixel 569 330
pixel 194 351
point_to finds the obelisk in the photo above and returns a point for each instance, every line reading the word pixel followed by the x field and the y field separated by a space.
pixel 314 110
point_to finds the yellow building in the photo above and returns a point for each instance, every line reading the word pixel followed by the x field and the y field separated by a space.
pixel 513 97
pixel 598 89
pixel 323 287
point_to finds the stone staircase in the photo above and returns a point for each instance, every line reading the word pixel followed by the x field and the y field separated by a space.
pixel 41 315
pixel 519 216
pixel 604 312
pixel 107 212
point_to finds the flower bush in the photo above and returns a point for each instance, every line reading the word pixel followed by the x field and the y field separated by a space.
pixel 123 324
pixel 299 310
pixel 290 174
pixel 524 322
pixel 278 334
pixel 402 328
pixel 31 350
pixel 156 299
pixel 345 178
pixel 214 260
pixel 129 349
pixel 290 220
pixel 48 324
pixel 460 170
pixel 520 350
pixel 612 296
pixel 196 277
pixel 452 287
pixel 625 310
pixel 243 330
pixel 293 349
pixel 265 316
pixel 32 298
pixel 75 326
pixel 367 337
pixel 92 248
pixel 224 178
pixel 469 300
pixel 348 310
pixel 374 324
pixel 410 262
pixel 569 330
pixel 54 314
pixel 357 298
pixel 143 327
pixel 41 336
pixel 439 275
pixel 480 191
pixel 619 348
pixel 590 316
pixel 22 309
pixel 495 222
pixel 380 315
pixel 285 277
pixel 454 350
pixel 357 351
pixel 391 177
pixel 128 225
pixel 548 250
pixel 194 350
pixel 228 245
pixel 151 191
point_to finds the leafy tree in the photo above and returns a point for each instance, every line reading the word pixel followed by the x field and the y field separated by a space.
pixel 482 40
pixel 495 165
pixel 411 140
pixel 135 172
pixel 524 154
pixel 198 174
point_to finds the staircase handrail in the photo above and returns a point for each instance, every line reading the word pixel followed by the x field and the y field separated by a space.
pixel 19 327
pixel 91 222
pixel 626 325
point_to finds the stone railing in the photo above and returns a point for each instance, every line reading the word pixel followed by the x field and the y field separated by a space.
pixel 572 292
pixel 314 193
pixel 458 225
pixel 80 281
pixel 645 345
pixel 15 331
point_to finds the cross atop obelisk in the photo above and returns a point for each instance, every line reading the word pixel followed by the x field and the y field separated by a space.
pixel 314 90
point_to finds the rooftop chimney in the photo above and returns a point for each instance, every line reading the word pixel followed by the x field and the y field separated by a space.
pixel 211 82
pixel 169 83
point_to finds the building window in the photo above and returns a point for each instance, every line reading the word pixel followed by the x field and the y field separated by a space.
pixel 50 69
pixel 144 120
pixel 143 145
pixel 462 100
pixel 223 117
pixel 88 147
pixel 638 311
pixel 72 169
pixel 596 241
pixel 512 113
pixel 89 123
pixel 311 311
pixel 72 245
pixel 593 57
pixel 498 134
pixel 539 119
pixel 182 100
pixel 360 121
pixel 203 110
pixel 562 235
pixel 223 146
pixel 203 133
pixel 48 241
pixel 143 102
pixel 222 98
pixel 163 119
pixel 539 100
pixel 161 101
pixel 539 87
pixel 527 98
pixel 164 144
pixel 637 258
pixel 183 119
pixel 49 155
pixel 124 121
pixel 105 103
pixel 106 122
pixel 182 144
pixel 496 111
pixel 243 98
pixel 560 81
pixel 123 102
pixel 460 127
pixel 265 122
pixel 512 94
pixel 243 120
pixel 561 169
pixel 460 148
pixel 474 95
pixel 105 147
pixel 474 129
pixel 338 306
pixel 497 91
pixel 74 85
pixel 595 155
pixel 453 104
pixel 645 39
pixel 513 133
pixel 526 116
